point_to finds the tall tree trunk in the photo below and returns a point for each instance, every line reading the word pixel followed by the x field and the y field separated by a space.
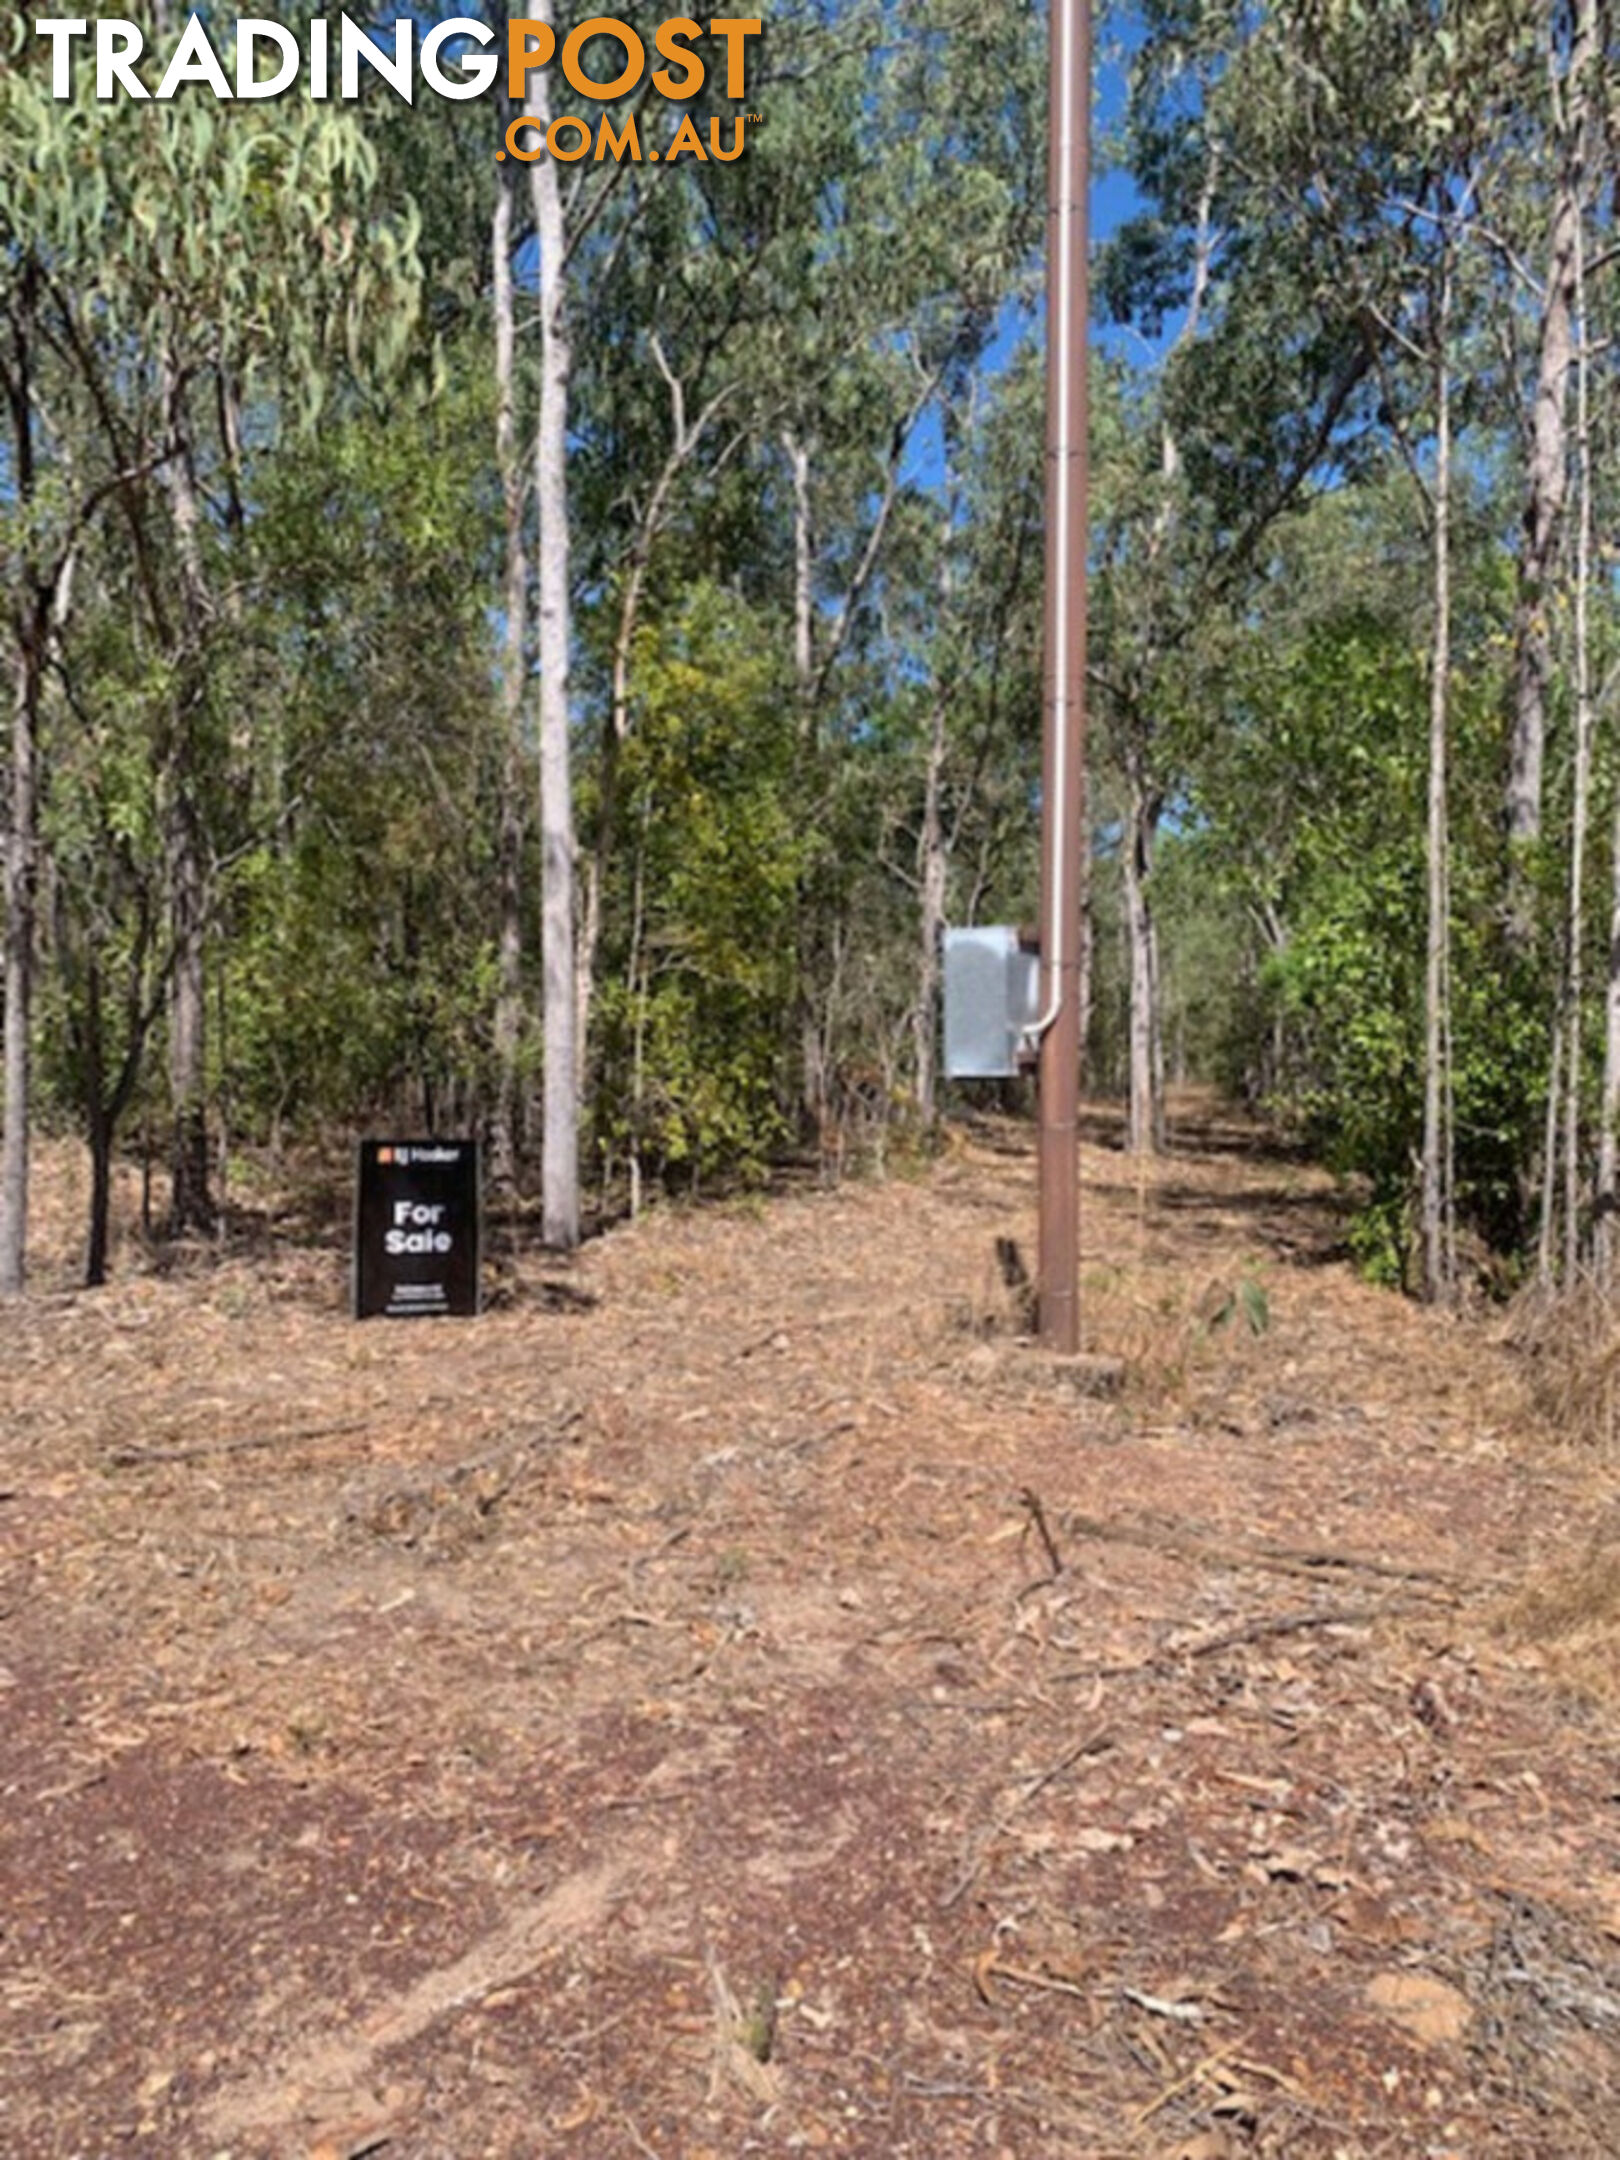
pixel 31 630
pixel 98 1127
pixel 1088 942
pixel 804 662
pixel 21 897
pixel 1436 1197
pixel 684 437
pixel 1575 989
pixel 1546 478
pixel 812 1050
pixel 1606 1195
pixel 98 1243
pixel 1545 1236
pixel 1145 1118
pixel 190 1205
pixel 509 932
pixel 933 860
pixel 560 1133
pixel 930 916
pixel 1606 1232
pixel 1156 1038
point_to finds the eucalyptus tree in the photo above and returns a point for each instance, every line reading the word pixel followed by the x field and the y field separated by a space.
pixel 934 251
pixel 250 271
pixel 771 334
pixel 1389 137
pixel 1261 392
pixel 511 470
pixel 1564 51
pixel 966 845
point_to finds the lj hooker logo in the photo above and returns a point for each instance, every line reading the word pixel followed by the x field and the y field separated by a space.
pixel 453 60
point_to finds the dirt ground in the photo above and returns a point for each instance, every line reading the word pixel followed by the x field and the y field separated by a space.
pixel 734 1698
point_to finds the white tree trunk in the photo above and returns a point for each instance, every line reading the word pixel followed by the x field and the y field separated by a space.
pixel 560 1131
pixel 931 916
pixel 1546 478
pixel 1580 808
pixel 509 949
pixel 1606 1191
pixel 1145 1117
pixel 1436 1198
pixel 812 1054
pixel 932 846
pixel 804 662
pixel 190 1207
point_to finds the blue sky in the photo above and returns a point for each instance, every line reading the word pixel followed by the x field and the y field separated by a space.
pixel 1113 198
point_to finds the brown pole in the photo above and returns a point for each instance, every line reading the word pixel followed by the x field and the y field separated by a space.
pixel 1064 670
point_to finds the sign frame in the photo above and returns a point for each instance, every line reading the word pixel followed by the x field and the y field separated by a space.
pixel 418 1206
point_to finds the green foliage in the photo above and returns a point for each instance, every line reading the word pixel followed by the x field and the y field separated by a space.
pixel 1248 1302
pixel 1314 803
pixel 358 950
pixel 692 1078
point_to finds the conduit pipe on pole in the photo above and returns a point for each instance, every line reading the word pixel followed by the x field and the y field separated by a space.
pixel 1063 673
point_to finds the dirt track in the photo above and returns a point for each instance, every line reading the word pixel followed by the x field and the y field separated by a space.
pixel 647 1720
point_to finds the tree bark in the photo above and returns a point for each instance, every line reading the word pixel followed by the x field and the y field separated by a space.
pixel 21 893
pixel 1546 477
pixel 813 1106
pixel 1580 807
pixel 1145 1111
pixel 31 629
pixel 1435 1193
pixel 804 664
pixel 190 1204
pixel 560 1132
pixel 1606 1190
pixel 508 1026
pixel 930 916
pixel 932 852
pixel 99 1126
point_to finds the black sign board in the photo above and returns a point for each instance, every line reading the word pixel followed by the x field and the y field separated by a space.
pixel 416 1228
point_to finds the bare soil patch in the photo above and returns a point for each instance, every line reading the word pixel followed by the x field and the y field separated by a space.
pixel 649 1719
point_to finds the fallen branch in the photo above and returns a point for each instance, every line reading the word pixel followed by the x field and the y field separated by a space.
pixel 1096 1743
pixel 129 1458
pixel 431 1503
pixel 1179 2013
pixel 990 1967
pixel 1183 2084
pixel 1202 1542
pixel 1265 1629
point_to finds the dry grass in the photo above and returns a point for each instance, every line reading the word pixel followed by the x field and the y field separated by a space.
pixel 1568 1344
pixel 1577 1601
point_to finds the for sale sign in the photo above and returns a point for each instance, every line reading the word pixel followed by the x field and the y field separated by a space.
pixel 416 1228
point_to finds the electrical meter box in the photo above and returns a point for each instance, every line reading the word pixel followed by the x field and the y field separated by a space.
pixel 992 1000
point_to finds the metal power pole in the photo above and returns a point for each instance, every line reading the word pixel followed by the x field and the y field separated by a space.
pixel 1064 670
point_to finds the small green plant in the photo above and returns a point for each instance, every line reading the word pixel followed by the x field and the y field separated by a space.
pixel 1248 1300
pixel 1379 1238
pixel 731 1569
